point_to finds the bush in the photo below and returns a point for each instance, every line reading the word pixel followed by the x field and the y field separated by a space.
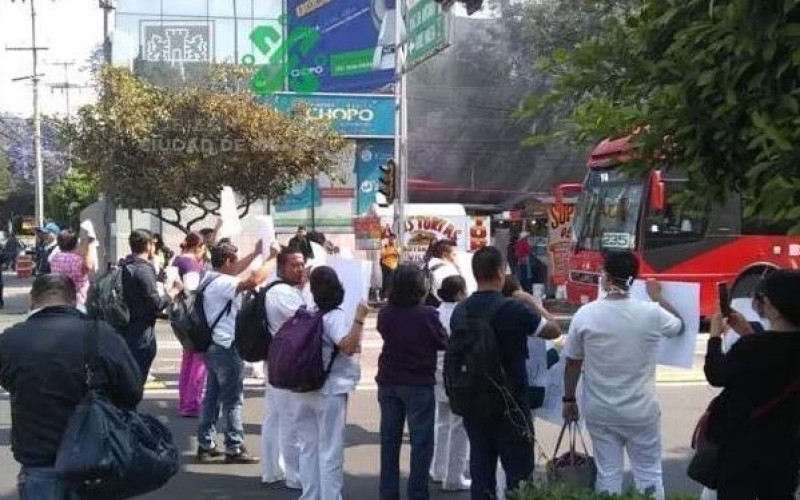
pixel 533 491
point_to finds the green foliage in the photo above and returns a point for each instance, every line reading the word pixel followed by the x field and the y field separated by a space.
pixel 719 80
pixel 164 149
pixel 66 197
pixel 533 491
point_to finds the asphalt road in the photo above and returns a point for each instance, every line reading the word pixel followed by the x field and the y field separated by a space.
pixel 682 393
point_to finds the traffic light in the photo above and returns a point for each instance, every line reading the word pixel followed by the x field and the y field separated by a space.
pixel 388 187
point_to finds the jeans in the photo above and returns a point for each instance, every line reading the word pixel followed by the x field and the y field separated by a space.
pixel 225 392
pixel 42 483
pixel 141 340
pixel 499 438
pixel 418 404
pixel 387 275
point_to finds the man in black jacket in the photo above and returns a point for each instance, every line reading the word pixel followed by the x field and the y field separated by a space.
pixel 140 290
pixel 42 367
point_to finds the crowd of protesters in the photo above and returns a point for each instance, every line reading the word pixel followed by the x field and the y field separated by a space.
pixel 611 345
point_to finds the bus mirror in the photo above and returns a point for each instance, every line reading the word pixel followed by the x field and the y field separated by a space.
pixel 562 188
pixel 657 192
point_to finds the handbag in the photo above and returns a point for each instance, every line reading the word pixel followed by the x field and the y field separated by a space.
pixel 573 468
pixel 108 452
pixel 704 465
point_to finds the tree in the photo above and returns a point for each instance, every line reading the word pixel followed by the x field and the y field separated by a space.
pixel 163 149
pixel 16 139
pixel 6 186
pixel 67 197
pixel 713 86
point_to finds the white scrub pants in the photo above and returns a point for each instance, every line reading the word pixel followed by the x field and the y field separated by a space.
pixel 643 445
pixel 321 425
pixel 280 452
pixel 450 445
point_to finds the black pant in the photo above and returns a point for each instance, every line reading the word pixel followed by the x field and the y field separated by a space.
pixel 511 442
pixel 757 466
pixel 141 341
pixel 387 274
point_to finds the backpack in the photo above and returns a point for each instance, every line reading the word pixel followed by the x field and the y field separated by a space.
pixel 106 300
pixel 252 338
pixel 187 316
pixel 474 377
pixel 431 299
pixel 295 357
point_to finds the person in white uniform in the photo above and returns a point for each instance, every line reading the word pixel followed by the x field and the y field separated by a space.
pixel 280 449
pixel 450 442
pixel 442 264
pixel 322 414
pixel 614 341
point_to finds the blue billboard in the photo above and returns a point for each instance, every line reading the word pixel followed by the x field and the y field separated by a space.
pixel 301 197
pixel 341 45
pixel 350 115
pixel 370 155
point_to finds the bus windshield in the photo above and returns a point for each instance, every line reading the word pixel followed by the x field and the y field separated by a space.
pixel 608 213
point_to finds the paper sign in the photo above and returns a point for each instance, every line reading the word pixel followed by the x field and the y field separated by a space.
pixel 354 275
pixel 743 306
pixel 685 298
pixel 88 228
pixel 267 225
pixel 173 275
pixel 229 216
pixel 552 407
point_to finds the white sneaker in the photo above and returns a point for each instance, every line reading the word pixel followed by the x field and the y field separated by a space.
pixel 271 480
pixel 463 484
pixel 294 485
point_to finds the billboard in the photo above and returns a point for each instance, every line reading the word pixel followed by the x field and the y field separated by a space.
pixel 354 49
pixel 371 154
pixel 350 115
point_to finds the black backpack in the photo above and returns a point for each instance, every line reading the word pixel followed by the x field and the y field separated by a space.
pixel 431 299
pixel 187 316
pixel 252 330
pixel 106 300
pixel 474 378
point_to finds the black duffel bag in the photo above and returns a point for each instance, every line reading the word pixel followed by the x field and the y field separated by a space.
pixel 111 453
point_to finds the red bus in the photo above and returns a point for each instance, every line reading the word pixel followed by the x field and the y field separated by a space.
pixel 702 242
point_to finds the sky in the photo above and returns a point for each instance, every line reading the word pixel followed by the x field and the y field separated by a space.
pixel 71 29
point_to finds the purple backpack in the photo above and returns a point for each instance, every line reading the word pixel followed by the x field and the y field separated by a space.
pixel 295 360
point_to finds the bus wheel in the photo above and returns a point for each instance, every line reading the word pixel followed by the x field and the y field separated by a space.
pixel 746 285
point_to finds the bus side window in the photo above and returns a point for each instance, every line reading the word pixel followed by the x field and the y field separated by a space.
pixel 677 224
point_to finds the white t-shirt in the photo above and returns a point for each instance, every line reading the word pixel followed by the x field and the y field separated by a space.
pixel 282 301
pixel 215 299
pixel 346 370
pixel 618 342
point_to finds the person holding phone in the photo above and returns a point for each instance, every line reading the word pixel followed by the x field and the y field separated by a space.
pixel 759 451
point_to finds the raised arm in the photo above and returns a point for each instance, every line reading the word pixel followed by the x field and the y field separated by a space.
pixel 351 343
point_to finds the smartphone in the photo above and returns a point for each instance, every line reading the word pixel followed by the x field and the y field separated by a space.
pixel 724 299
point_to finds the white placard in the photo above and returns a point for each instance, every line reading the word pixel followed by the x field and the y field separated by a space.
pixel 88 229
pixel 552 407
pixel 745 308
pixel 173 275
pixel 685 298
pixel 267 229
pixel 464 260
pixel 231 225
pixel 354 275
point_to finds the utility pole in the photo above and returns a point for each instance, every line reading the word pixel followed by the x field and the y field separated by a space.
pixel 37 120
pixel 401 118
pixel 107 6
pixel 65 88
